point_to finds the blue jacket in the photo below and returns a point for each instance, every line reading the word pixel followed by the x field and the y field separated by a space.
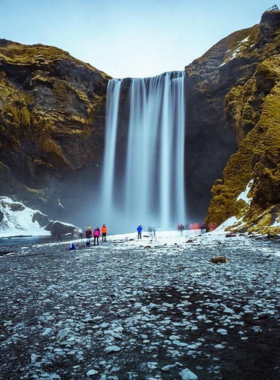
pixel 139 229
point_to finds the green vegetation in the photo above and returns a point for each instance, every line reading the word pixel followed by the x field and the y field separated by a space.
pixel 258 156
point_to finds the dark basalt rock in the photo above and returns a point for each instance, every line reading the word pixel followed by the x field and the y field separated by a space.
pixel 210 140
pixel 52 122
pixel 60 228
pixel 42 219
pixel 16 206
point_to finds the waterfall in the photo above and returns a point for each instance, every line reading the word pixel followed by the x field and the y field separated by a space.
pixel 112 107
pixel 147 186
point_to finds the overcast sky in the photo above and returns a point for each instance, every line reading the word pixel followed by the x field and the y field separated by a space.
pixel 129 38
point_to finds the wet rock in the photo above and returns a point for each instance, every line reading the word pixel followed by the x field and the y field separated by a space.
pixel 42 219
pixel 111 349
pixel 60 228
pixel 92 372
pixel 186 374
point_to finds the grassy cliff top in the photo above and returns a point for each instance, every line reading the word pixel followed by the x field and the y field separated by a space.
pixel 20 54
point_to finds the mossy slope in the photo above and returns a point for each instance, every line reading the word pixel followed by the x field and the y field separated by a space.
pixel 252 110
pixel 52 111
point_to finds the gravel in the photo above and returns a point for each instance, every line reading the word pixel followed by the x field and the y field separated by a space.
pixel 133 310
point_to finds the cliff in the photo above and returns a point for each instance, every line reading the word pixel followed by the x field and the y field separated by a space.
pixel 52 110
pixel 210 140
pixel 249 191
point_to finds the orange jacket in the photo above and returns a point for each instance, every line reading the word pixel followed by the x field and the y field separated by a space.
pixel 104 230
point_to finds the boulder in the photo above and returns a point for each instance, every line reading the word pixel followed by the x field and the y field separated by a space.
pixel 16 206
pixel 42 219
pixel 60 228
pixel 219 259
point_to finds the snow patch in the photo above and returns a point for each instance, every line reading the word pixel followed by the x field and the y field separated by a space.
pixel 233 221
pixel 244 195
pixel 276 223
pixel 236 52
pixel 230 222
pixel 17 219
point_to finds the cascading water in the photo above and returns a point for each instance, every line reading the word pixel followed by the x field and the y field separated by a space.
pixel 149 188
pixel 112 106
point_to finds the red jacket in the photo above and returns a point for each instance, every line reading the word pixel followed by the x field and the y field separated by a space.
pixel 88 234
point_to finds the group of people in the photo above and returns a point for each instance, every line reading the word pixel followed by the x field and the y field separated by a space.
pixel 102 232
pixel 151 230
pixel 89 235
pixel 97 232
pixel 196 227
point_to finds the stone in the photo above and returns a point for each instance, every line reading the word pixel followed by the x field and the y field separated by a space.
pixel 168 367
pixel 218 260
pixel 186 374
pixel 222 332
pixel 92 372
pixel 60 228
pixel 42 219
pixel 111 349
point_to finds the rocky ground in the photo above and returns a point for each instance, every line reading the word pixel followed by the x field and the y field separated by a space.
pixel 121 311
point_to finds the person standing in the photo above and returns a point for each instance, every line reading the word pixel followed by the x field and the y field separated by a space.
pixel 88 235
pixel 104 231
pixel 150 230
pixel 75 233
pixel 139 230
pixel 96 234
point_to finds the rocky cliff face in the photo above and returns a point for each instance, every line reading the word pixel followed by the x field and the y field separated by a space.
pixel 52 110
pixel 249 191
pixel 210 140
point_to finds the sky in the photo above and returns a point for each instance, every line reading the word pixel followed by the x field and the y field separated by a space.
pixel 129 38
